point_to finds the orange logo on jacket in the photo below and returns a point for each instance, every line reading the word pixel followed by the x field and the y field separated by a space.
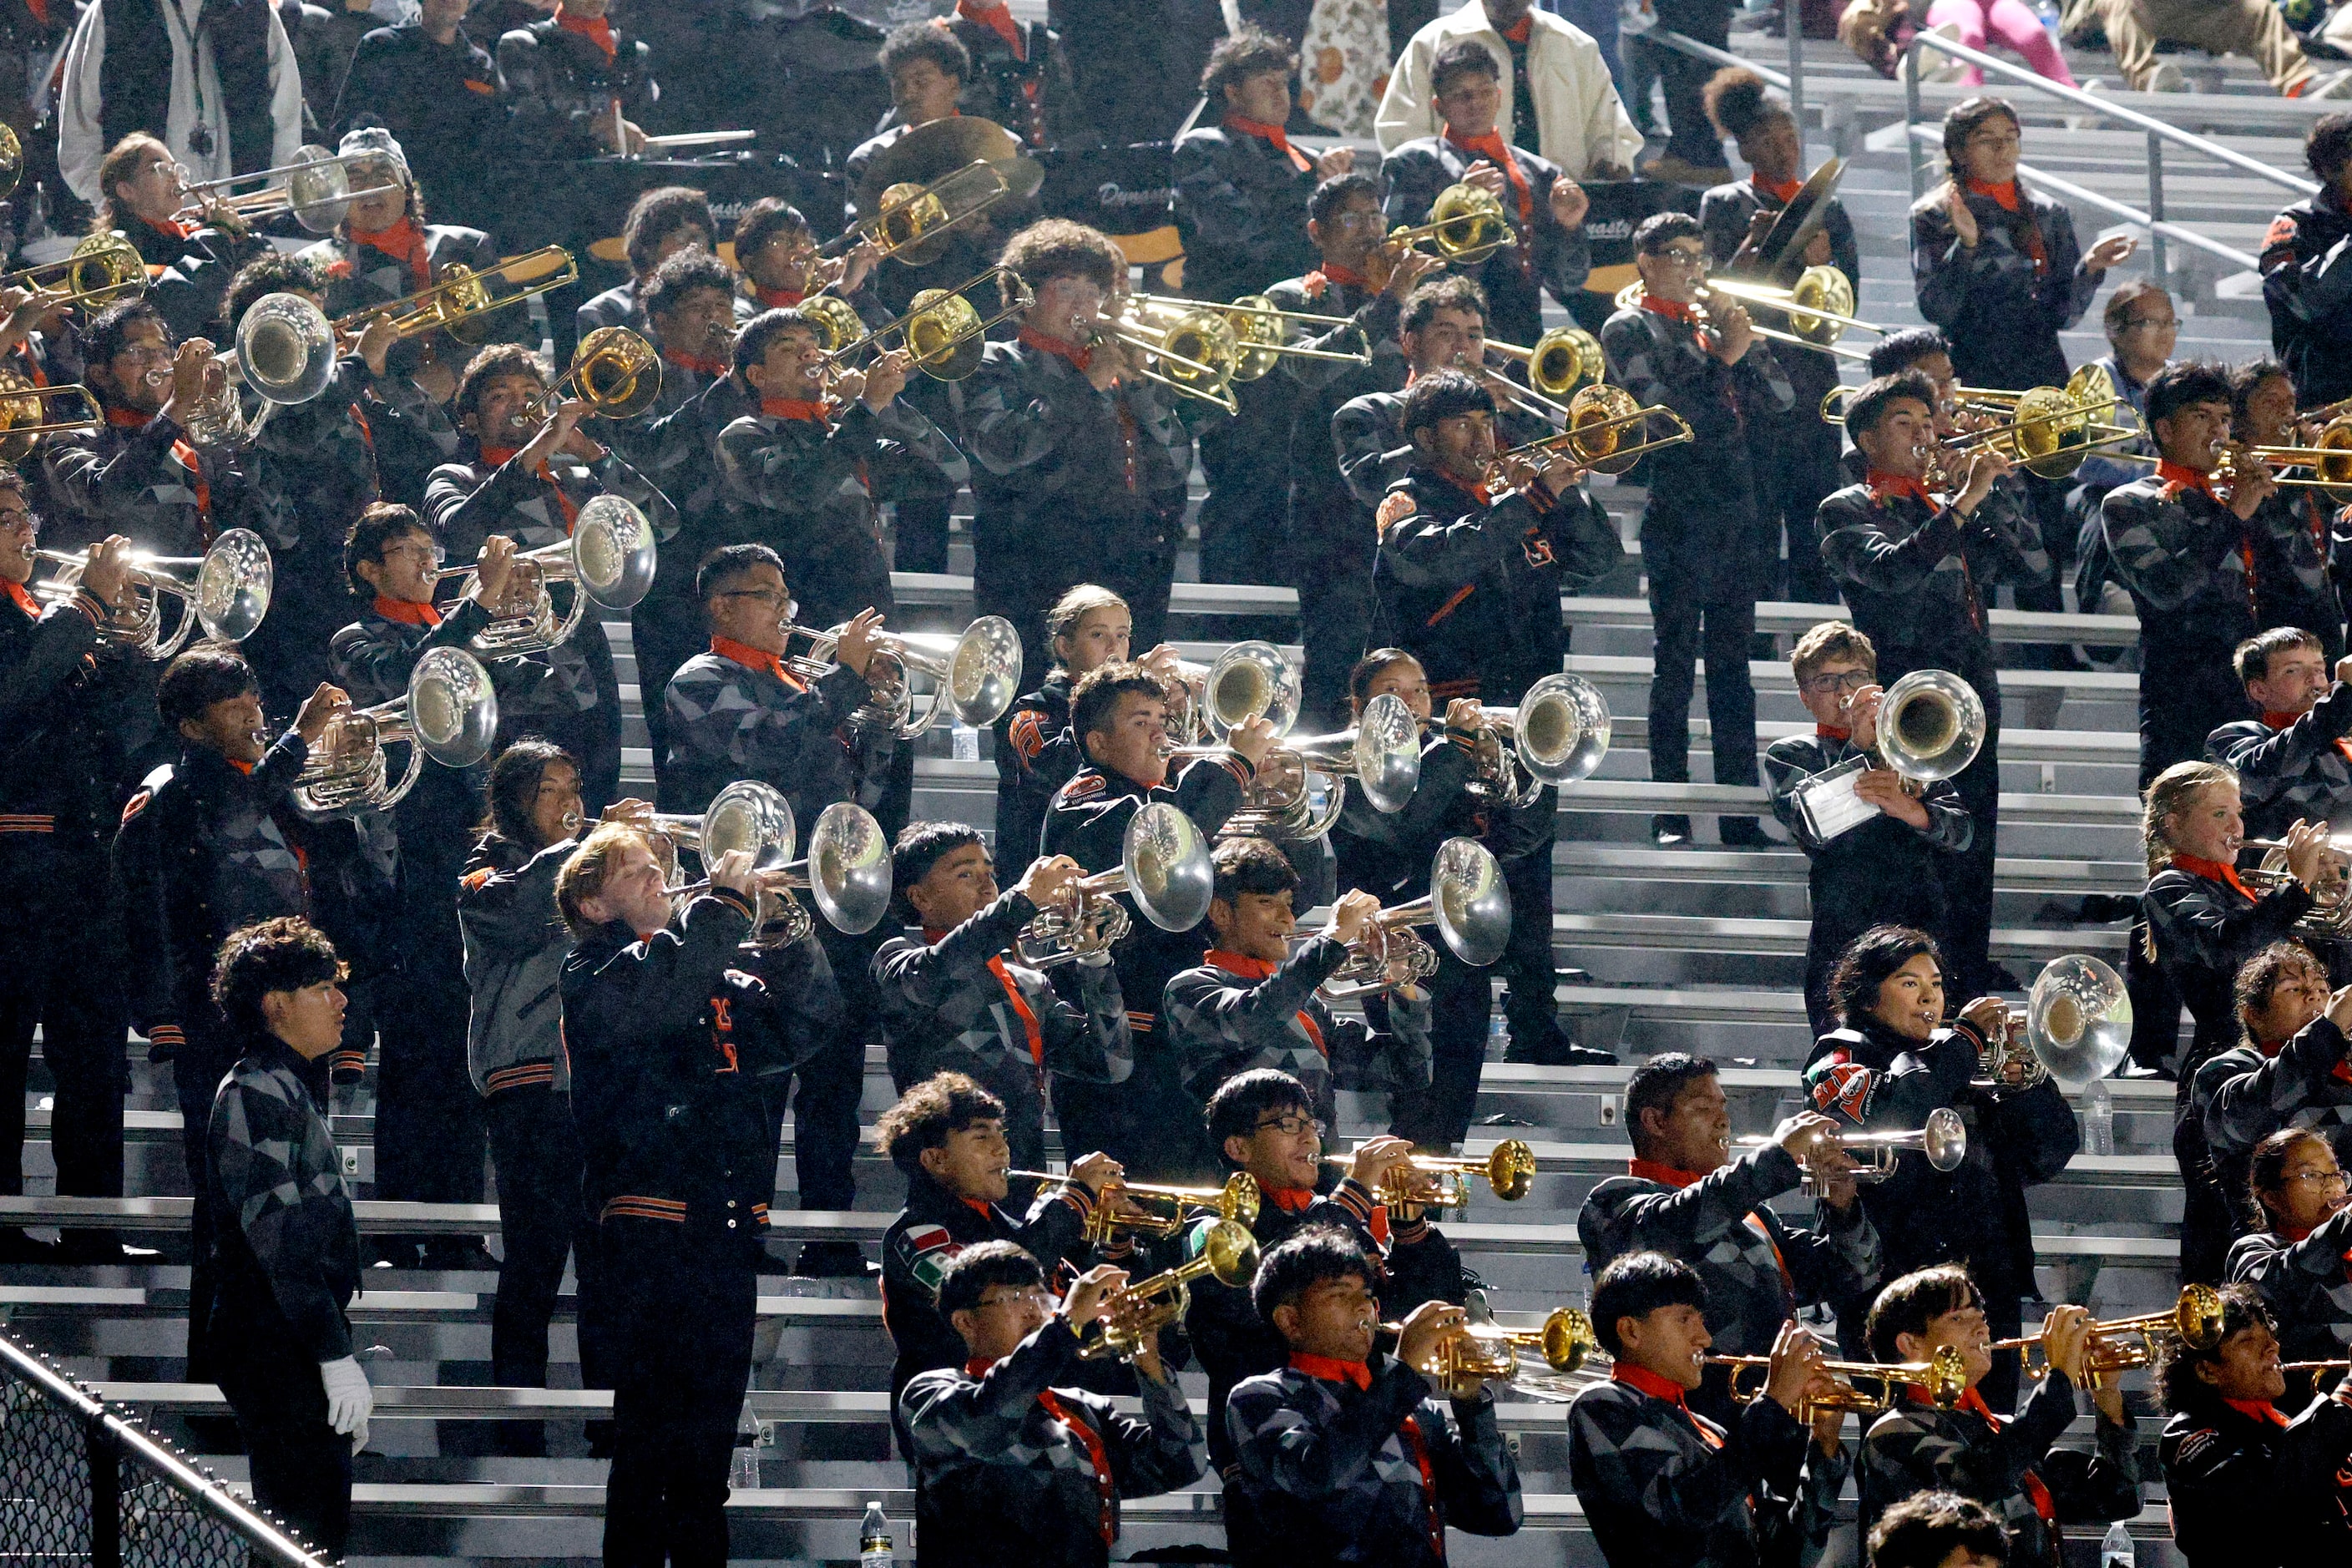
pixel 722 1029
pixel 1395 506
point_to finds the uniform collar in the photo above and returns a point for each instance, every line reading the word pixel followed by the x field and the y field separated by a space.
pixel 1664 1175
pixel 405 611
pixel 1650 1384
pixel 1329 1369
pixel 1239 963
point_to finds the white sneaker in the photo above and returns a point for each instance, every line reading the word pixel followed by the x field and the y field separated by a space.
pixel 2086 121
pixel 1945 68
pixel 2167 78
pixel 2336 84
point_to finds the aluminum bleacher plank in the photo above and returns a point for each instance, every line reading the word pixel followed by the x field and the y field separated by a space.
pixel 1709 933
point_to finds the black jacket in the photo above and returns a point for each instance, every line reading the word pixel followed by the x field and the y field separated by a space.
pixel 515 947
pixel 1881 871
pixel 65 705
pixel 1918 579
pixel 560 82
pixel 2001 310
pixel 440 102
pixel 2303 1281
pixel 2204 931
pixel 2307 281
pixel 2297 770
pixel 1241 209
pixel 1035 755
pixel 1545 258
pixel 2257 1491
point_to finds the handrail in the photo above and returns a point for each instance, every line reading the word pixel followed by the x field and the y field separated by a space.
pixel 1690 46
pixel 2130 215
pixel 2077 95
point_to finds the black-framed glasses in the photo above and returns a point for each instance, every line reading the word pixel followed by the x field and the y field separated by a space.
pixel 1840 681
pixel 1292 1124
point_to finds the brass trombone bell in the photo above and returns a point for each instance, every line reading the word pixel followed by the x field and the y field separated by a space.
pixel 24 419
pixel 614 371
pixel 1438 1182
pixel 942 329
pixel 2329 458
pixel 1260 331
pixel 103 269
pixel 1819 305
pixel 2119 1344
pixel 1466 226
pixel 1162 1211
pixel 463 294
pixel 1134 1316
pixel 1945 1376
pixel 1191 350
pixel 1631 295
pixel 12 162
pixel 910 226
pixel 1562 361
pixel 835 318
pixel 1599 419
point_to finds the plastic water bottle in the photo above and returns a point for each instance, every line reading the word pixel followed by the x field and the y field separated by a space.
pixel 2099 1138
pixel 966 743
pixel 875 1547
pixel 1498 1035
pixel 2047 11
pixel 2116 1550
pixel 743 1470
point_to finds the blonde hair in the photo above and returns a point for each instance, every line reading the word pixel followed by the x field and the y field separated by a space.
pixel 1070 611
pixel 584 874
pixel 2172 793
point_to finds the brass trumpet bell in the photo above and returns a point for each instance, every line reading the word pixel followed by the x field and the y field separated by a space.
pixel 1466 226
pixel 449 713
pixel 12 162
pixel 1943 1138
pixel 1132 1317
pixel 24 417
pixel 1437 1182
pixel 614 371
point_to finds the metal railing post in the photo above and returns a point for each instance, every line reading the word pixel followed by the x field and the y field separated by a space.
pixel 105 1494
pixel 1911 117
pixel 1792 26
pixel 2156 207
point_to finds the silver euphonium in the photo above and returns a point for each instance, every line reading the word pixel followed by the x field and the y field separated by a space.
pixel 449 713
pixel 226 591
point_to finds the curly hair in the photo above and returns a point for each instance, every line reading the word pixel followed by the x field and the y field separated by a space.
pixel 498 359
pixel 1453 291
pixel 1736 102
pixel 1056 247
pixel 2178 1387
pixel 287 954
pixel 1238 57
pixel 2172 792
pixel 924 1116
pixel 2260 978
pixel 273 274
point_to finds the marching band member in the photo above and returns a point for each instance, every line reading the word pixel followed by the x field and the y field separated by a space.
pixel 661 222
pixel 1343 1455
pixel 1264 1127
pixel 778 255
pixel 2243 1483
pixel 1441 325
pixel 2305 593
pixel 927 70
pixel 689 302
pixel 1007 1465
pixel 1220 1026
pixel 1078 461
pixel 1883 870
pixel 529 482
pixel 1659 1482
pixel 1242 189
pixel 2282 1071
pixel 2143 327
pixel 1118 714
pixel 1543 206
pixel 667 1041
pixel 578 85
pixel 2289 764
pixel 142 192
pixel 1938 1530
pixel 1684 1196
pixel 1699 538
pixel 435 90
pixel 284 1244
pixel 946 1135
pixel 2293 1255
pixel 1019 77
pixel 1918 567
pixel 2011 1466
pixel 208 845
pixel 515 942
pixel 67 695
pixel 2304 271
pixel 958 996
pixel 1802 467
pixel 1890 1063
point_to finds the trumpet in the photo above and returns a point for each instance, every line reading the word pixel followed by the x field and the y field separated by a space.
pixel 2330 915
pixel 613 370
pixel 912 224
pixel 23 420
pixel 1557 735
pixel 1437 1182
pixel 1561 362
pixel 608 561
pixel 1489 1353
pixel 1469 904
pixel 449 713
pixel 847 870
pixel 318 190
pixel 1258 327
pixel 1381 753
pixel 1819 305
pixel 975 674
pixel 1466 226
pixel 2119 1344
pixel 463 295
pixel 1163 865
pixel 1945 1376
pixel 1162 1211
pixel 226 591
pixel 103 269
pixel 1249 681
pixel 1944 1138
pixel 2075 1027
pixel 1192 351
pixel 1133 1317
pixel 943 331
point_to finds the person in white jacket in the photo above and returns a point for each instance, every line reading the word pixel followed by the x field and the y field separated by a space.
pixel 1559 70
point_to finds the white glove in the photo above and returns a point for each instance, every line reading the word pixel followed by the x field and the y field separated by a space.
pixel 349 1401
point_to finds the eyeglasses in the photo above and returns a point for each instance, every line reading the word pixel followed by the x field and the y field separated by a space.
pixel 13 521
pixel 1840 681
pixel 419 548
pixel 1292 1125
pixel 1688 260
pixel 768 596
pixel 1037 1299
pixel 2322 1179
pixel 2168 322
pixel 146 353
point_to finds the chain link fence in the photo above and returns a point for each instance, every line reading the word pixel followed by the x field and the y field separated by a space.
pixel 82 1483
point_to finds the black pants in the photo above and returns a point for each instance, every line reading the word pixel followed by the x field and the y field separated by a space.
pixel 1692 138
pixel 1331 551
pixel 1968 877
pixel 1680 640
pixel 825 1089
pixel 1529 973
pixel 61 976
pixel 1797 466
pixel 2186 692
pixel 1462 1001
pixel 198 1065
pixel 302 1465
pixel 540 1221
pixel 684 1304
pixel 429 1136
pixel 1243 515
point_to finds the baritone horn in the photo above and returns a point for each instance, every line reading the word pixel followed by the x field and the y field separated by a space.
pixel 846 871
pixel 1133 1316
pixel 1557 735
pixel 1943 1138
pixel 1438 1182
pixel 1931 725
pixel 1466 226
pixel 2075 1027
pixel 975 674
pixel 24 417
pixel 1249 681
pixel 1162 1211
pixel 2120 1345
pixel 1163 865
pixel 285 352
pixel 226 591
pixel 2330 915
pixel 608 561
pixel 614 370
pixel 449 713
pixel 1468 903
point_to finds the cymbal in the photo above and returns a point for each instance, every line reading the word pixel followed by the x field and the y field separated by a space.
pixel 927 152
pixel 1782 255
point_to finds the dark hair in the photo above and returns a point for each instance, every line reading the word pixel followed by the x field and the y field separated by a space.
pixel 586 868
pixel 1736 102
pixel 1452 291
pixel 283 954
pixel 2260 978
pixel 513 788
pixel 920 846
pixel 1906 347
pixel 729 563
pixel 923 1117
pixel 1657 1084
pixel 1866 963
pixel 277 273
pixel 1370 668
pixel 680 276
pixel 1660 230
pixel 1924 1529
pixel 1912 1303
pixel 1636 1285
pixel 2247 379
pixel 911 41
pixel 655 215
pixel 1441 395
pixel 2266 1169
pixel 1094 698
pixel 110 329
pixel 2253 655
pixel 752 342
pixel 2128 292
pixel 2178 1387
pixel 123 163
pixel 1251 864
pixel 1871 404
pixel 1241 1099
pixel 1333 193
pixel 761 222
pixel 1056 247
pixel 1301 1261
pixel 1462 56
pixel 198 678
pixel 2183 382
pixel 378 526
pixel 1964 119
pixel 2328 146
pixel 1237 56
pixel 495 361
pixel 971 1274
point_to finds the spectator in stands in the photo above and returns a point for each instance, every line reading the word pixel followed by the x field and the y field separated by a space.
pixel 1938 1530
pixel 1562 104
pixel 2289 762
pixel 285 1249
pixel 1664 1485
pixel 1009 1468
pixel 2301 585
pixel 2307 273
pixel 661 222
pixel 437 91
pixel 1684 1196
pixel 2243 1483
pixel 2293 1255
pixel 2257 30
pixel 1979 23
pixel 1890 1064
pixel 1882 865
pixel 578 84
pixel 2013 1468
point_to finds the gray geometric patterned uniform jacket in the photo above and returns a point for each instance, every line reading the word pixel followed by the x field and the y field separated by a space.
pixel 287 1245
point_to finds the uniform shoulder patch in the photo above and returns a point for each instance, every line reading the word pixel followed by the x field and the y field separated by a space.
pixel 474 881
pixel 929 1248
pixel 1395 506
pixel 1844 1086
pixel 1027 733
pixel 1081 787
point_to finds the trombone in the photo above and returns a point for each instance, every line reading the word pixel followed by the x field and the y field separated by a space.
pixel 1631 295
pixel 609 560
pixel 1467 902
pixel 1466 226
pixel 1133 1316
pixel 462 293
pixel 1257 326
pixel 226 592
pixel 2050 429
pixel 614 371
pixel 941 328
pixel 1598 417
pixel 1944 1138
pixel 23 420
pixel 1819 305
pixel 1557 735
pixel 847 870
pixel 318 190
pixel 1191 350
pixel 975 674
pixel 1162 1211
pixel 912 222
pixel 1163 865
pixel 2119 1344
pixel 449 713
pixel 1437 1182
pixel 1562 361
pixel 103 269
pixel 1945 1376
pixel 2329 458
